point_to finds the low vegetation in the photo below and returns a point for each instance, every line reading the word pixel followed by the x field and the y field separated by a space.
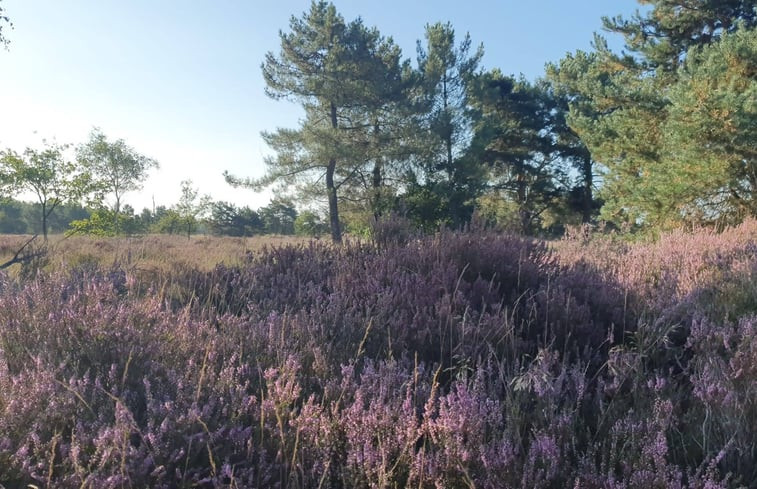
pixel 464 359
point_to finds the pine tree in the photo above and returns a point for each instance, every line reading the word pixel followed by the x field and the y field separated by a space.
pixel 443 182
pixel 652 116
pixel 341 73
pixel 515 136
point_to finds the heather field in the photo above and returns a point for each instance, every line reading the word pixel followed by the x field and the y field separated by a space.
pixel 467 359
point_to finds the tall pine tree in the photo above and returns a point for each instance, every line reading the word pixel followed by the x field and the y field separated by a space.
pixel 341 73
pixel 443 182
pixel 641 112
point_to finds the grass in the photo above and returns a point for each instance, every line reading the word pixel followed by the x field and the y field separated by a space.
pixel 152 252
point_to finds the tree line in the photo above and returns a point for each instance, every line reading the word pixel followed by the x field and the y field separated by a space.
pixel 102 172
pixel 218 218
pixel 658 136
pixel 85 194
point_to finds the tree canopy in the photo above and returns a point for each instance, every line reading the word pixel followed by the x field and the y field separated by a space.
pixel 46 173
pixel 670 121
pixel 656 136
pixel 114 168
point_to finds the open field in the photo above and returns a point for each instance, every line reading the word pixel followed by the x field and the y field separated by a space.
pixel 459 360
pixel 152 252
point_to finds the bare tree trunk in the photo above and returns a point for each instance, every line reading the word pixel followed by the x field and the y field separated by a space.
pixel 44 221
pixel 376 180
pixel 117 213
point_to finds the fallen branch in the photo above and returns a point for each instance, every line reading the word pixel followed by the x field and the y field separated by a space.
pixel 24 258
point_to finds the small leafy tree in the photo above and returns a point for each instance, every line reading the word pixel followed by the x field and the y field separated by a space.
pixel 168 222
pixel 45 173
pixel 191 207
pixel 104 222
pixel 115 168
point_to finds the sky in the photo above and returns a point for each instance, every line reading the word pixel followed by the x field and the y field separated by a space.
pixel 180 80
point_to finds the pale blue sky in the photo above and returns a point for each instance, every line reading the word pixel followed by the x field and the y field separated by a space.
pixel 180 80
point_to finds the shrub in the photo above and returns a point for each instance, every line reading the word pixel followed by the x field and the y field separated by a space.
pixel 458 360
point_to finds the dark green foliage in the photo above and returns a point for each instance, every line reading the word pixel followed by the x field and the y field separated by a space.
pixel 516 138
pixel 18 217
pixel 663 36
pixel 669 121
pixel 443 180
pixel 278 216
pixel 446 70
pixel 229 220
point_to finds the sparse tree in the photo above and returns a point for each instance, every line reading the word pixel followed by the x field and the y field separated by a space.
pixel 45 173
pixel 443 182
pixel 115 168
pixel 191 206
pixel 339 72
pixel 447 70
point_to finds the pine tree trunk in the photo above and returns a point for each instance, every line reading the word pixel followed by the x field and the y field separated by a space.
pixel 376 189
pixel 336 231
pixel 523 214
pixel 376 180
pixel 448 135
pixel 588 198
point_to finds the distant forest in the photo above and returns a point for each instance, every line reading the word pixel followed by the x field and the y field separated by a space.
pixel 222 219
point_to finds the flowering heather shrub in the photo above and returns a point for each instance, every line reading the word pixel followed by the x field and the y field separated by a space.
pixel 461 360
pixel 667 277
pixel 723 373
